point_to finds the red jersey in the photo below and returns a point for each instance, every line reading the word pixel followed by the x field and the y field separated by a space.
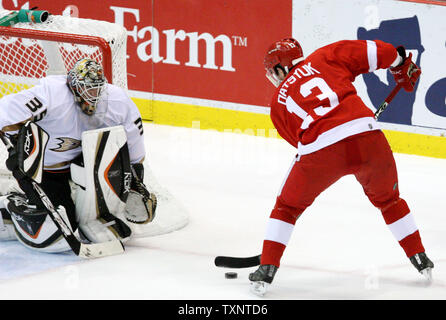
pixel 317 105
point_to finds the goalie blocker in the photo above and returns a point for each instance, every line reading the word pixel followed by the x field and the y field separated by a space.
pixel 107 196
pixel 24 215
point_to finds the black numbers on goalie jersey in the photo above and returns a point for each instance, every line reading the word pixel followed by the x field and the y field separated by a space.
pixel 39 116
pixel 34 105
pixel 138 124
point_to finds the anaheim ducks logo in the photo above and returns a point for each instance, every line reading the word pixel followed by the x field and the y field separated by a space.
pixel 66 144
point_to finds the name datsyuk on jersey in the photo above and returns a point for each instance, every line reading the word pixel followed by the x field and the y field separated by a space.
pixel 304 71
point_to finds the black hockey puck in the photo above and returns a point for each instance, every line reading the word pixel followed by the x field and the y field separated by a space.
pixel 231 275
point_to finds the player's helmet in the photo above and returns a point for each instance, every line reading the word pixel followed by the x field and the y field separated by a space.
pixel 87 82
pixel 283 54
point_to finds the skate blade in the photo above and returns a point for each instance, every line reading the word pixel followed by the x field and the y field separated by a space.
pixel 259 288
pixel 427 274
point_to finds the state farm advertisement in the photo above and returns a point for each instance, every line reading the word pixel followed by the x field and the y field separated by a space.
pixel 200 49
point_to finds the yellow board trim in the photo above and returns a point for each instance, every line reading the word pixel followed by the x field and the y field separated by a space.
pixel 419 144
pixel 207 118
pixel 192 116
pixel 12 87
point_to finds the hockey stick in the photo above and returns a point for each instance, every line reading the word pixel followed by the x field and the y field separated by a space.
pixel 237 262
pixel 83 250
pixel 386 102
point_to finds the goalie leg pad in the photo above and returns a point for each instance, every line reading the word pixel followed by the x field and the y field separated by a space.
pixel 7 231
pixel 34 227
pixel 104 179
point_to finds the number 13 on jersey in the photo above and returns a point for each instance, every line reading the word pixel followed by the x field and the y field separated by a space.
pixel 306 89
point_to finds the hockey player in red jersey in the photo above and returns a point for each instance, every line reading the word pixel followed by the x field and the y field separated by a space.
pixel 316 109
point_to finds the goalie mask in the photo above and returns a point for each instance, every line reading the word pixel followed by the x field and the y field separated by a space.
pixel 87 82
pixel 281 57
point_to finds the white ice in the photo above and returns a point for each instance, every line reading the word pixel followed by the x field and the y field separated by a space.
pixel 340 248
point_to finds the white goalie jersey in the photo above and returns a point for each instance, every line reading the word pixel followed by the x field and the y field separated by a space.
pixel 52 106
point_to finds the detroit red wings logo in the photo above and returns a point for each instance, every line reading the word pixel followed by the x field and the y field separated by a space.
pixel 66 144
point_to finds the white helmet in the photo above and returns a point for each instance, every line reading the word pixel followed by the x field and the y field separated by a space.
pixel 87 82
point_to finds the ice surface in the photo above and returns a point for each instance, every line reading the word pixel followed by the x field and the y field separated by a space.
pixel 340 248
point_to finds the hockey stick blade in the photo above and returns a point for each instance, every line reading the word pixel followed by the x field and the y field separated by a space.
pixel 237 262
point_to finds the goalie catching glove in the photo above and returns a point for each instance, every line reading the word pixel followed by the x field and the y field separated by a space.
pixel 141 204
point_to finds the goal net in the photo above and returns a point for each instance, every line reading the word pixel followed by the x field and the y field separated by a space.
pixel 31 51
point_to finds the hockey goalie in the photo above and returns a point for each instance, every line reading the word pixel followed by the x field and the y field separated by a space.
pixel 74 130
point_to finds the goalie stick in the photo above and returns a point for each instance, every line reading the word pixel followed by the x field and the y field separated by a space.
pixel 247 262
pixel 83 250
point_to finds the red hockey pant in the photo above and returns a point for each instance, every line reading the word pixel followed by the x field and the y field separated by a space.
pixel 369 158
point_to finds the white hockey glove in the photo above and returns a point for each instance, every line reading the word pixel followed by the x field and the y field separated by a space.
pixel 141 204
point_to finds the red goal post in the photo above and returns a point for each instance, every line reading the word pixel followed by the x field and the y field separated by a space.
pixel 30 51
pixel 64 38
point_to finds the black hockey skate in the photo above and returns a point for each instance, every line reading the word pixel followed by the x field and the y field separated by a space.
pixel 423 264
pixel 262 278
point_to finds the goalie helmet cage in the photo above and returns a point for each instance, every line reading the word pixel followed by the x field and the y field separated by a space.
pixel 30 51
